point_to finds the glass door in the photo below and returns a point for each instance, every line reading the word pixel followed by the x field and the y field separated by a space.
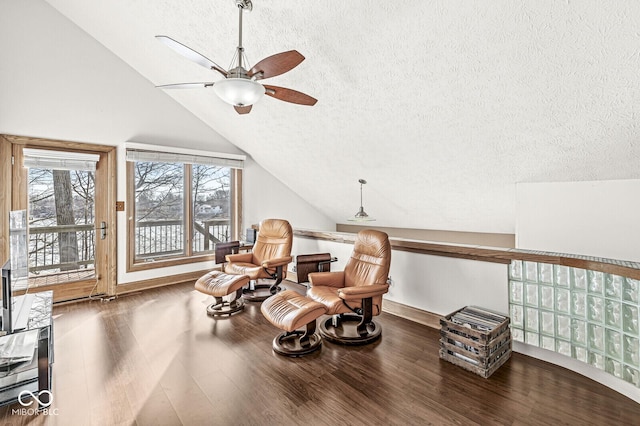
pixel 67 189
pixel 61 225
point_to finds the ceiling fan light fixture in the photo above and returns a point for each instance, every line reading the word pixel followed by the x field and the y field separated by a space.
pixel 240 88
pixel 239 91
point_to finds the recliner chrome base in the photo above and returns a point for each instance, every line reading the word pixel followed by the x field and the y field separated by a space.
pixel 261 292
pixel 349 329
pixel 296 315
pixel 220 307
pixel 294 343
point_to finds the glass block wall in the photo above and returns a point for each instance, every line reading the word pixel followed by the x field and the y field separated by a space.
pixel 587 315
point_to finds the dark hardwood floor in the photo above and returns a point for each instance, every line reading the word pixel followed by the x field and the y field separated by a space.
pixel 155 358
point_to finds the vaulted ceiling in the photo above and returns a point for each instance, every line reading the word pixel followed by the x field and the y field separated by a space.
pixel 442 106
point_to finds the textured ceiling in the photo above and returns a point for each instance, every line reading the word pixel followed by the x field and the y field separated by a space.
pixel 443 106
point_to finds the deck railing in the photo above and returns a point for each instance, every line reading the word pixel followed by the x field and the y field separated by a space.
pixel 210 232
pixel 154 238
pixel 44 250
pixel 166 237
pixel 159 237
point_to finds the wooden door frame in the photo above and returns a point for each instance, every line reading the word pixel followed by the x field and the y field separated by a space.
pixel 13 197
pixel 5 196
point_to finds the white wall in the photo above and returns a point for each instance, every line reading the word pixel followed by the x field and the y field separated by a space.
pixel 57 82
pixel 266 197
pixel 595 218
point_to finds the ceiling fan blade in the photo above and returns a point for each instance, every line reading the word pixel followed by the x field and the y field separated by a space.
pixel 185 85
pixel 289 95
pixel 243 109
pixel 191 54
pixel 276 64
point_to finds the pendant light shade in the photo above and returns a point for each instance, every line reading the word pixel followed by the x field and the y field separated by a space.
pixel 361 216
pixel 239 91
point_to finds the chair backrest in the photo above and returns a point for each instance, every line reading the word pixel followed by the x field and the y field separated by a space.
pixel 370 261
pixel 275 238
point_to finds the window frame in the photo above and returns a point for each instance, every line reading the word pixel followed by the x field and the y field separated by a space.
pixel 188 256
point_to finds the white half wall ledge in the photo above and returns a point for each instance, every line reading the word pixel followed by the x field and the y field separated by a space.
pixel 435 284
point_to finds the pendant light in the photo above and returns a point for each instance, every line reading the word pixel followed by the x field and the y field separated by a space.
pixel 361 216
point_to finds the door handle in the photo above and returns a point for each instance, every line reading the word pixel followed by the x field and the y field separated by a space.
pixel 103 230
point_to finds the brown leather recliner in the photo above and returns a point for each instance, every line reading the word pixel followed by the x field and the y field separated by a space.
pixel 354 296
pixel 269 257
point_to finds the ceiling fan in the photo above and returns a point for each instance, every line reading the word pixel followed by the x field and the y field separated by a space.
pixel 240 86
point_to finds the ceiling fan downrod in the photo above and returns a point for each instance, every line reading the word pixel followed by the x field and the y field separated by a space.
pixel 242 6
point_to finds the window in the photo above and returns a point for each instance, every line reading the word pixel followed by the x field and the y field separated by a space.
pixel 180 205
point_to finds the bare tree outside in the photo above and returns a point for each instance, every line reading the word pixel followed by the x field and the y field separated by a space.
pixel 67 241
pixel 62 213
pixel 159 205
pixel 61 220
pixel 159 189
pixel 211 205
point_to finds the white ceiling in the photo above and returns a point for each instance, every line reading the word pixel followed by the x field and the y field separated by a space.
pixel 442 106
